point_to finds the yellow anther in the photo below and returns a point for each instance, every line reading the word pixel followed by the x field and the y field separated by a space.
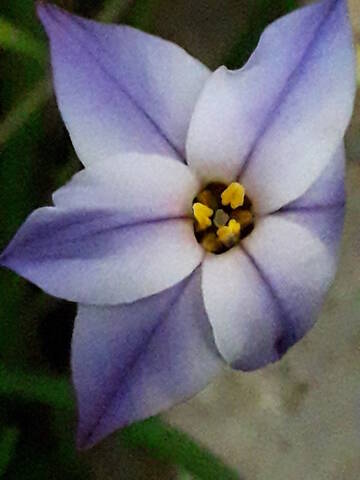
pixel 233 195
pixel 202 214
pixel 211 243
pixel 229 234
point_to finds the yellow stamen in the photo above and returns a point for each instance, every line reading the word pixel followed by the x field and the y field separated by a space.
pixel 234 195
pixel 202 214
pixel 229 234
pixel 211 243
pixel 244 217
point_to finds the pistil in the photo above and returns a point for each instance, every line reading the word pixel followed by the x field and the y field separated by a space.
pixel 220 218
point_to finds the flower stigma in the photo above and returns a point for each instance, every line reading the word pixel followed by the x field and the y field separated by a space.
pixel 222 216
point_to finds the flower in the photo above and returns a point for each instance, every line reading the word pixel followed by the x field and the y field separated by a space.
pixel 205 226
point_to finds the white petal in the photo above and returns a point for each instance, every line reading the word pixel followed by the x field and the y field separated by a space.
pixel 276 123
pixel 297 264
pixel 263 297
pixel 328 190
pixel 241 310
pixel 139 186
pixel 132 361
pixel 305 129
pixel 93 257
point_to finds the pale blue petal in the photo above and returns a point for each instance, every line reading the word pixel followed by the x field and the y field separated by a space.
pixel 98 257
pixel 120 231
pixel 120 89
pixel 276 123
pixel 141 187
pixel 133 361
pixel 243 314
pixel 298 262
pixel 263 297
pixel 328 190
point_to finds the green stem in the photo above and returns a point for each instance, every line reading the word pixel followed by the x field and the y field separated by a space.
pixel 8 442
pixel 18 116
pixel 19 41
pixel 44 389
pixel 161 441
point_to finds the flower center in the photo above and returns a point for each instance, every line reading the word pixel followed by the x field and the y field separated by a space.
pixel 222 216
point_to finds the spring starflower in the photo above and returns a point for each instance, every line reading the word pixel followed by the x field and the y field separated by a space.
pixel 205 226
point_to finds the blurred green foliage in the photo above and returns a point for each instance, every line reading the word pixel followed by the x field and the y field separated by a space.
pixel 36 405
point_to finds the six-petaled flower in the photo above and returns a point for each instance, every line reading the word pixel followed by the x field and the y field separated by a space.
pixel 205 226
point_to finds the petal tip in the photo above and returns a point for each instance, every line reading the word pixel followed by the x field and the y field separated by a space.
pixel 48 13
pixel 281 345
pixel 5 257
pixel 251 365
pixel 41 7
pixel 88 436
pixel 85 438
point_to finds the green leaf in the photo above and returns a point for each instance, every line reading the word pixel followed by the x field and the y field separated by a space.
pixel 183 475
pixel 19 73
pixel 142 14
pixel 72 463
pixel 172 446
pixel 290 5
pixel 8 440
pixel 261 14
pixel 41 388
pixel 161 441
pixel 30 103
pixel 20 41
pixel 40 94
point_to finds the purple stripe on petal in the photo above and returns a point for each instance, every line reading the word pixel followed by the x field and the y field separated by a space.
pixel 309 115
pixel 120 89
pixel 286 334
pixel 296 262
pixel 263 297
pixel 301 60
pixel 97 257
pixel 133 361
pixel 248 323
pixel 325 222
pixel 321 209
